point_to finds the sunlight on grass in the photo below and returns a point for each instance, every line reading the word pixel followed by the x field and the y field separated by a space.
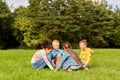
pixel 15 65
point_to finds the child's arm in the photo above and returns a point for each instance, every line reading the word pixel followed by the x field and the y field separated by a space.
pixel 88 59
pixel 89 55
pixel 62 60
pixel 48 63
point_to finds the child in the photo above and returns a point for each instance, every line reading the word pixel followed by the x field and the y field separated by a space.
pixel 41 58
pixel 67 61
pixel 86 53
pixel 74 56
pixel 56 53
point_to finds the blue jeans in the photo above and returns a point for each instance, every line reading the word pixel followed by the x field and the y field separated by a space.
pixel 41 63
pixel 67 61
pixel 75 67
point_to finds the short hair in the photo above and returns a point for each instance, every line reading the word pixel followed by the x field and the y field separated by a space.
pixel 67 45
pixel 83 41
pixel 55 41
pixel 46 44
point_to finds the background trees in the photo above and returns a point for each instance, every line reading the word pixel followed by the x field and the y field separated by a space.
pixel 6 37
pixel 65 20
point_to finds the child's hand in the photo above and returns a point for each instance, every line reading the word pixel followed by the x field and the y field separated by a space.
pixel 55 70
pixel 52 69
pixel 84 66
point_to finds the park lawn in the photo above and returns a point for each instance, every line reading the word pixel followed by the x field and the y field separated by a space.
pixel 15 65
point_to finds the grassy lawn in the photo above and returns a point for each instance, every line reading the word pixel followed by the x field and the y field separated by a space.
pixel 15 65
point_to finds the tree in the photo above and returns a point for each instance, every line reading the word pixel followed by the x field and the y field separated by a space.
pixel 4 24
pixel 114 39
pixel 56 18
pixel 96 23
pixel 26 30
pixel 74 20
pixel 67 20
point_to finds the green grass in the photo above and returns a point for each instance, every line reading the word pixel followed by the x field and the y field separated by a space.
pixel 15 65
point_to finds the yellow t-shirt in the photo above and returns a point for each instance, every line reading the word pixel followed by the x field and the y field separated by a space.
pixel 86 55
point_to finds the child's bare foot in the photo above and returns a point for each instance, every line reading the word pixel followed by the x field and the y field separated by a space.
pixel 69 69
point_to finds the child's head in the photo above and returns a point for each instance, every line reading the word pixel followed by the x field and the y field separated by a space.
pixel 55 44
pixel 47 46
pixel 67 45
pixel 83 44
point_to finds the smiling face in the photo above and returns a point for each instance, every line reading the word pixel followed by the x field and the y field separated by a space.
pixel 55 45
pixel 82 45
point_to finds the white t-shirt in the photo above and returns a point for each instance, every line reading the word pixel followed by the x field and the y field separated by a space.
pixel 40 54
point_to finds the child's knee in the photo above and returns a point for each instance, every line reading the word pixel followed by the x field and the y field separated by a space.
pixel 58 56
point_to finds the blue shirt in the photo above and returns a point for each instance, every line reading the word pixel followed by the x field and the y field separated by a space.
pixel 54 53
pixel 66 61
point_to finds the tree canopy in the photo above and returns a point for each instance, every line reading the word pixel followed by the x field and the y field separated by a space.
pixel 65 20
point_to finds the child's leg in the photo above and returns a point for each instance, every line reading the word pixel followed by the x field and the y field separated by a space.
pixel 53 62
pixel 58 57
pixel 75 67
pixel 39 64
pixel 53 59
pixel 56 61
pixel 71 68
pixel 87 67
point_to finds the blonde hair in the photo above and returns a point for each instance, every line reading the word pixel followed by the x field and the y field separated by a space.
pixel 55 41
pixel 83 41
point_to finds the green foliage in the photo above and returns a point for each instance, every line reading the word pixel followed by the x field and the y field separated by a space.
pixel 65 20
pixel 74 20
pixel 4 24
pixel 98 22
pixel 114 39
pixel 26 27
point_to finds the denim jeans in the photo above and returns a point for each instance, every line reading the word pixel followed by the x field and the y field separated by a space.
pixel 66 61
pixel 41 63
pixel 75 67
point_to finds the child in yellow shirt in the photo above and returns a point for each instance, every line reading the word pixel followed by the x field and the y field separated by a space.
pixel 86 53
